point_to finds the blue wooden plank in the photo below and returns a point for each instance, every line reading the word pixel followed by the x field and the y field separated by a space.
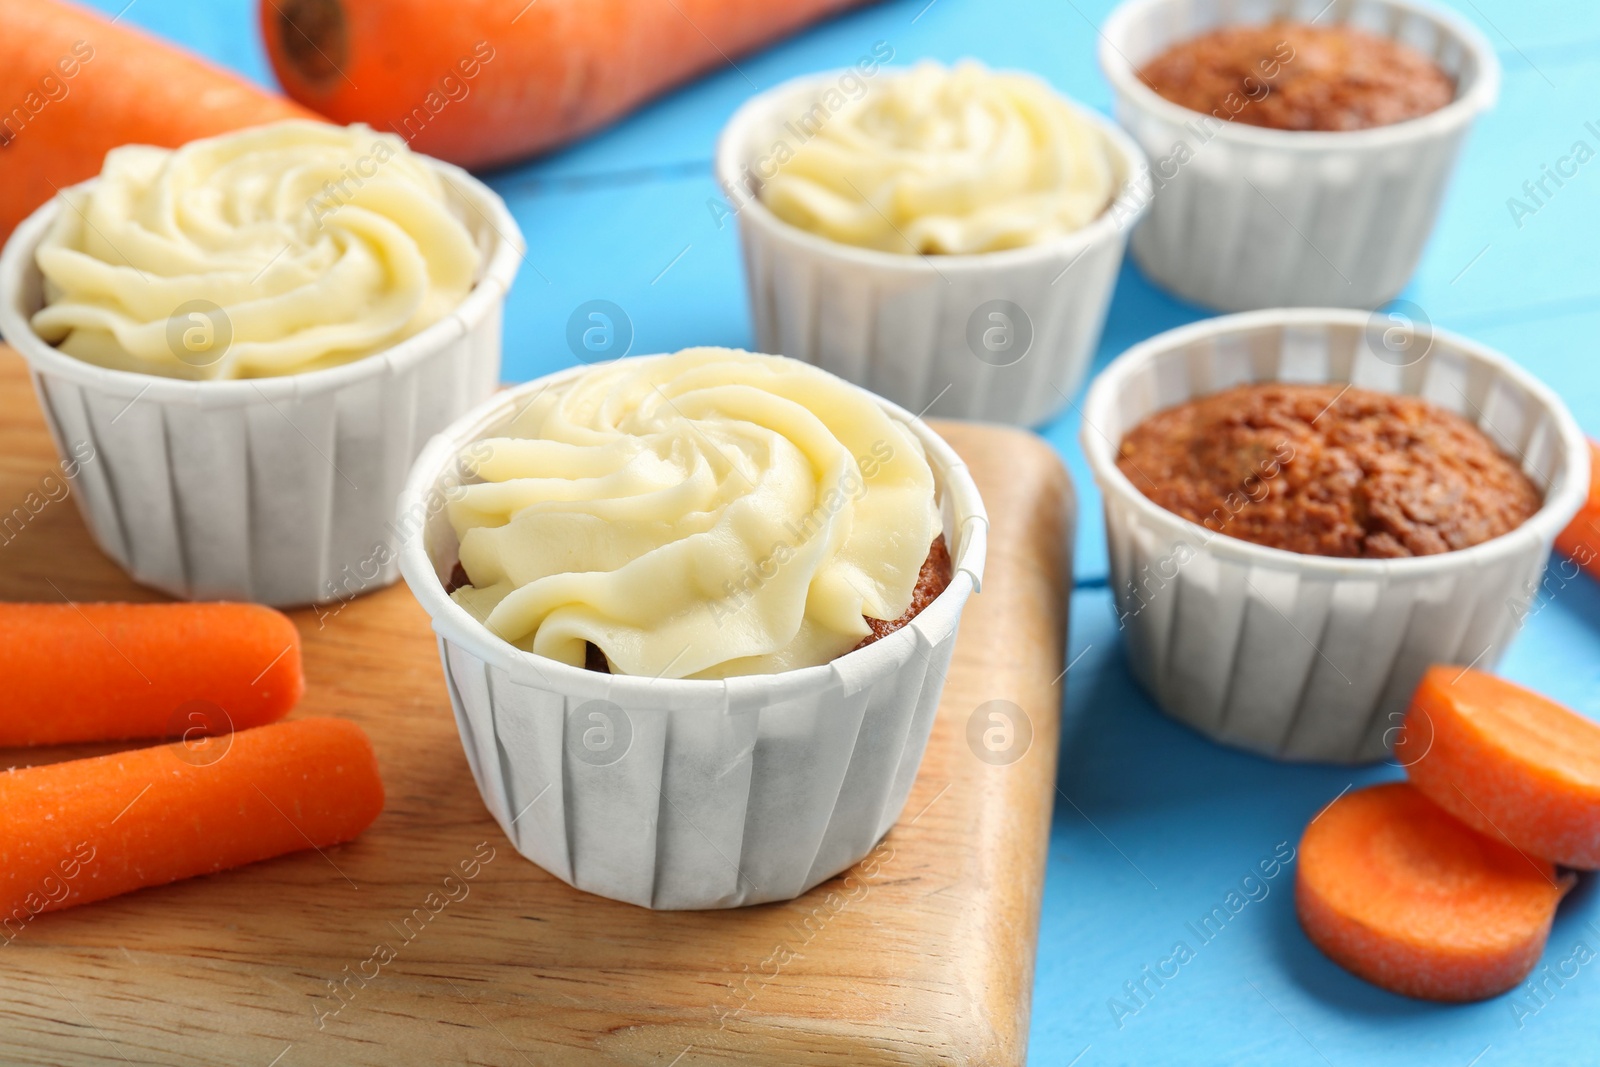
pixel 656 250
pixel 1505 248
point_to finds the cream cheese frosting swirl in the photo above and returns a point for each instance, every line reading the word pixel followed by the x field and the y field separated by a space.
pixel 946 160
pixel 704 514
pixel 273 250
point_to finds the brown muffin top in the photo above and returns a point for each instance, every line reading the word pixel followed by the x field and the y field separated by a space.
pixel 1296 76
pixel 1311 469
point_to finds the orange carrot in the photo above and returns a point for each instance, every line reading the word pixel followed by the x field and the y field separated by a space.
pixel 490 81
pixel 89 829
pixel 1396 891
pixel 1580 541
pixel 104 672
pixel 1507 762
pixel 73 85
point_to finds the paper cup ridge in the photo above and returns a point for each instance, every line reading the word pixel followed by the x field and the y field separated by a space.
pixel 692 794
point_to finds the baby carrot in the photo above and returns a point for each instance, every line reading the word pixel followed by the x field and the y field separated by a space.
pixel 105 672
pixel 1396 891
pixel 1507 762
pixel 89 829
pixel 1580 541
pixel 76 84
pixel 496 80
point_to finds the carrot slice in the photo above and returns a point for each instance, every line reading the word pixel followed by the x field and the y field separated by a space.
pixel 496 80
pixel 77 84
pixel 89 829
pixel 106 672
pixel 1396 891
pixel 1507 762
pixel 1580 541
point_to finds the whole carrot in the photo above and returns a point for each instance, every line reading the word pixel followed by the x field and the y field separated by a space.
pixel 73 84
pixel 89 829
pixel 105 672
pixel 1580 541
pixel 487 81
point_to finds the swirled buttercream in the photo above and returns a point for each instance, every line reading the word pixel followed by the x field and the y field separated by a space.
pixel 703 514
pixel 943 160
pixel 273 250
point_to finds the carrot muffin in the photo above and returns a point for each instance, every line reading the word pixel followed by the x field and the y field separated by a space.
pixel 1296 76
pixel 1327 470
pixel 701 515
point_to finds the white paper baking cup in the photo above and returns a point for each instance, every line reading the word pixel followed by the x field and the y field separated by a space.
pixel 1259 218
pixel 678 793
pixel 1312 657
pixel 912 327
pixel 279 490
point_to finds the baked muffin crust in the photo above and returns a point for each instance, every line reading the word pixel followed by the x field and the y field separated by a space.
pixel 1297 76
pixel 1326 470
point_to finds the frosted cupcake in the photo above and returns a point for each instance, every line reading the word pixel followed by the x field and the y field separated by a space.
pixel 948 236
pixel 357 287
pixel 715 589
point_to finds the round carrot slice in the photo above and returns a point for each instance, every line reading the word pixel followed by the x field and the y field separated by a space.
pixel 1507 762
pixel 1396 891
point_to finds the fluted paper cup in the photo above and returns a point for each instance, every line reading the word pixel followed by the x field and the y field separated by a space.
pixel 1312 657
pixel 279 490
pixel 1260 218
pixel 683 793
pixel 918 329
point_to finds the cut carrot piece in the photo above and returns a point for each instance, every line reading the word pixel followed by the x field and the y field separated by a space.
pixel 1507 762
pixel 107 672
pixel 495 80
pixel 78 84
pixel 89 829
pixel 1396 891
pixel 1580 541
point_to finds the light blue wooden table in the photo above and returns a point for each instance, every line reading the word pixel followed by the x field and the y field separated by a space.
pixel 1161 824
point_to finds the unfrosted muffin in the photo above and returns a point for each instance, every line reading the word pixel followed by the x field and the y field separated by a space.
pixel 1297 76
pixel 1327 470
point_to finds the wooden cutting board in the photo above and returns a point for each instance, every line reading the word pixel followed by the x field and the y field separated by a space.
pixel 921 955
